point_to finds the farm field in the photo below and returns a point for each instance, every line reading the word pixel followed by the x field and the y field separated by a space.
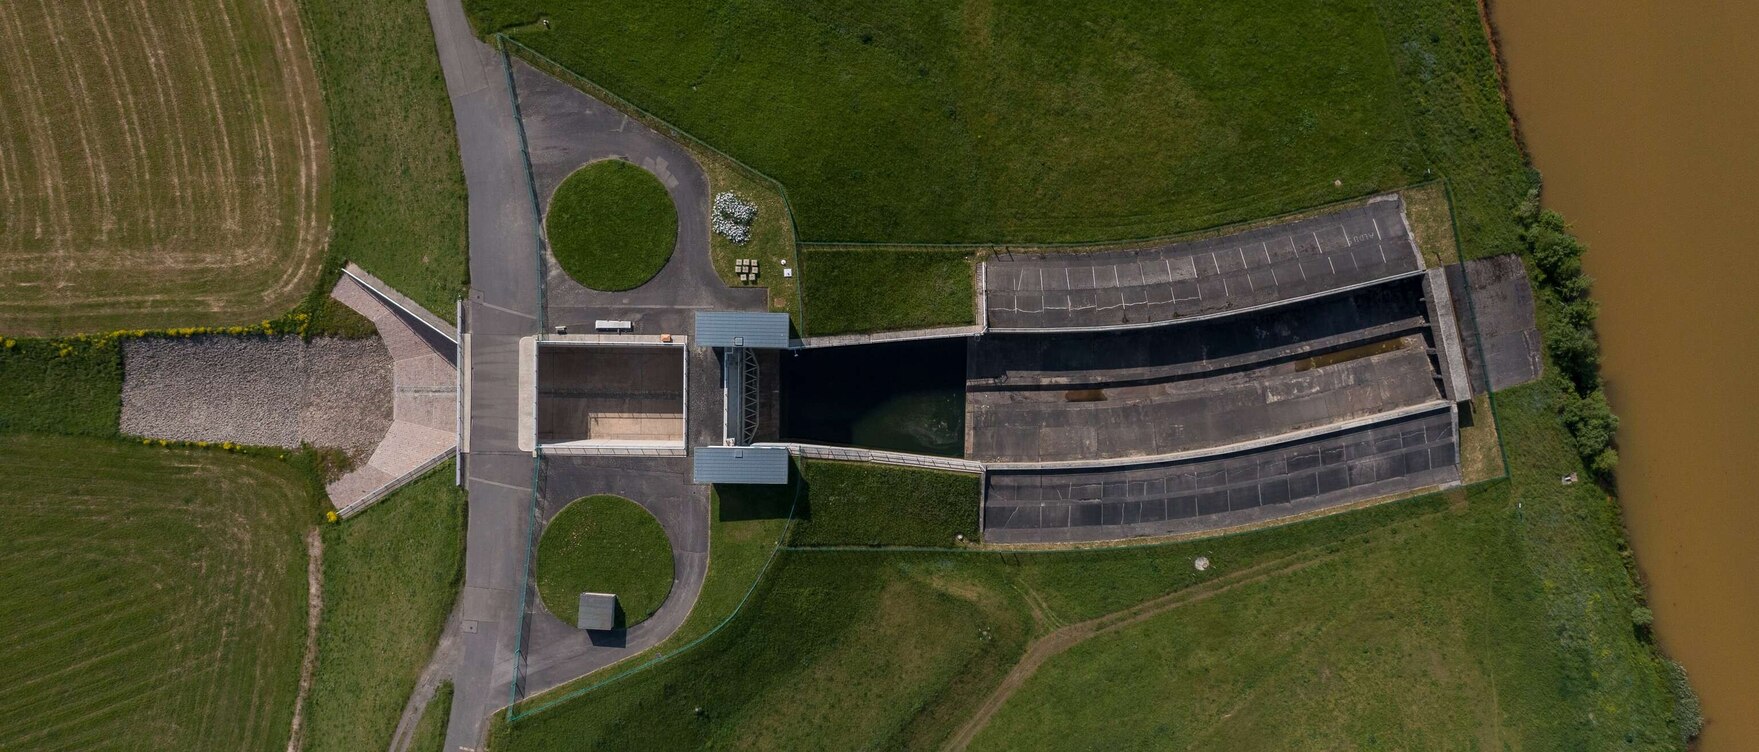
pixel 161 165
pixel 390 578
pixel 1312 635
pixel 155 598
pixel 399 189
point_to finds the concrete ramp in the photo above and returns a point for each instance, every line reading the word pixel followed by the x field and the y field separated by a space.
pixel 424 404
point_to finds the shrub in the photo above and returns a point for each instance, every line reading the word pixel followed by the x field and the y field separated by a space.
pixel 1688 714
pixel 1576 353
pixel 1591 424
pixel 1642 617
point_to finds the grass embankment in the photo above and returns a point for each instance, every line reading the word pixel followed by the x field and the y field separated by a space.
pixel 879 289
pixel 860 504
pixel 746 524
pixel 611 225
pixel 153 597
pixel 398 194
pixel 932 122
pixel 390 577
pixel 1411 625
pixel 1426 637
pixel 772 235
pixel 145 189
pixel 604 544
pixel 60 386
pixel 430 734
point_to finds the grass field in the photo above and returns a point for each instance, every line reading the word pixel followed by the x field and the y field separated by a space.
pixel 68 387
pixel 918 121
pixel 611 225
pixel 604 544
pixel 430 735
pixel 860 504
pixel 866 290
pixel 772 236
pixel 161 165
pixel 399 190
pixel 155 598
pixel 390 577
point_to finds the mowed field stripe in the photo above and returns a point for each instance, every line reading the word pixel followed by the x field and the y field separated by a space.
pixel 165 164
pixel 159 593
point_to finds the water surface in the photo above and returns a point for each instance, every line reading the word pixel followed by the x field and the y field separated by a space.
pixel 906 397
pixel 1644 119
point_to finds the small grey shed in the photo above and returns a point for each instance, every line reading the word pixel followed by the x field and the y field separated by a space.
pixel 598 611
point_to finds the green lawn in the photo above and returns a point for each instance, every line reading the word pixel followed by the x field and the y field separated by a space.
pixel 60 386
pixel 604 544
pixel 842 651
pixel 398 191
pixel 390 577
pixel 867 290
pixel 745 527
pixel 861 504
pixel 611 225
pixel 921 121
pixel 430 735
pixel 772 236
pixel 153 598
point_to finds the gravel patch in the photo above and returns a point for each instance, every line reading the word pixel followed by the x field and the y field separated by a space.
pixel 267 391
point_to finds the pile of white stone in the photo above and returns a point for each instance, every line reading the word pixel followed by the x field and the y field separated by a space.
pixel 733 216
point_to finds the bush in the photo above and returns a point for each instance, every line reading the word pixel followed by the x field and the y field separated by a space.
pixel 1642 617
pixel 1592 427
pixel 1688 714
pixel 1570 338
pixel 1577 354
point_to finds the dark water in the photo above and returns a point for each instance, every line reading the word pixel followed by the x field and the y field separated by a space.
pixel 906 397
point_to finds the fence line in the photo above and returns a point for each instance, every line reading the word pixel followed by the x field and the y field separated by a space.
pixel 543 270
pixel 591 87
pixel 878 456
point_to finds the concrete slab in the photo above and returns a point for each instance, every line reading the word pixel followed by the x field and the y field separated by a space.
pixel 1242 271
pixel 1203 410
pixel 1499 315
pixel 1226 491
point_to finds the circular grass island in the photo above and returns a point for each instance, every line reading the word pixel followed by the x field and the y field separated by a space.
pixel 611 225
pixel 604 544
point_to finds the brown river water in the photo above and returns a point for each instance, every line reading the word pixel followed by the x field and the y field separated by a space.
pixel 1644 119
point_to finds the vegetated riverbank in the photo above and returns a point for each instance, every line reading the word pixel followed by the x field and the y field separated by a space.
pixel 1641 117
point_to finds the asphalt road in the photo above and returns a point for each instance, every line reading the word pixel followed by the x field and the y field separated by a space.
pixel 503 308
pixel 562 129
